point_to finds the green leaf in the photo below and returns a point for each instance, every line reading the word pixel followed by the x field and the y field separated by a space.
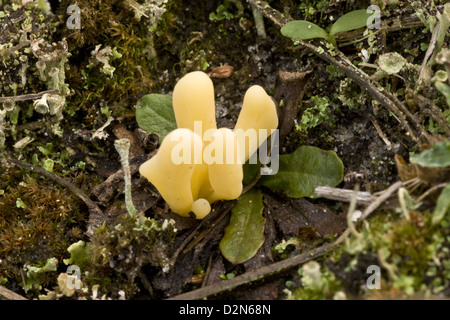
pixel 305 169
pixel 436 157
pixel 350 21
pixel 244 235
pixel 304 30
pixel 154 114
pixel 442 205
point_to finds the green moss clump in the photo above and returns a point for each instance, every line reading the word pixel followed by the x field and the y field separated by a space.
pixel 37 222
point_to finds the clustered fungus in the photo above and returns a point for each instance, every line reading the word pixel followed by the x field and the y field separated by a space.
pixel 198 164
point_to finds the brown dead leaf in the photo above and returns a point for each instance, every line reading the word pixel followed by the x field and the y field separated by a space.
pixel 120 131
pixel 297 216
pixel 405 171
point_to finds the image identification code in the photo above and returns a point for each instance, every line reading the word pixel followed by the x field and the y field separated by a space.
pixel 232 309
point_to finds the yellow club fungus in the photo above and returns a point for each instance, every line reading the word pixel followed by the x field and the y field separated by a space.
pixel 198 164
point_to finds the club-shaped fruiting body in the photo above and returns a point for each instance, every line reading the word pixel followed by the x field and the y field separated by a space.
pixel 198 164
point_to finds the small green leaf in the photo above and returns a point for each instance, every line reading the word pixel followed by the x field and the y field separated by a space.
pixel 442 205
pixel 244 235
pixel 304 30
pixel 350 21
pixel 154 114
pixel 305 169
pixel 436 157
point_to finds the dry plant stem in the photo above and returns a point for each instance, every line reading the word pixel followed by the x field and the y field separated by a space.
pixel 284 264
pixel 95 216
pixel 379 131
pixel 32 96
pixel 350 213
pixel 191 238
pixel 425 68
pixel 431 190
pixel 2 129
pixel 379 93
pixel 203 233
pixel 344 195
pixel 10 295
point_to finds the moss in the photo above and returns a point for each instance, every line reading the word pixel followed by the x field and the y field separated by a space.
pixel 37 227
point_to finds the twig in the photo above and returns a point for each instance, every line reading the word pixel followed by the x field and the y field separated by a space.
pixel 96 215
pixel 284 264
pixel 10 295
pixel 425 68
pixel 191 237
pixel 32 96
pixel 379 131
pixel 350 214
pixel 202 234
pixel 344 195
pixel 431 190
pixel 382 198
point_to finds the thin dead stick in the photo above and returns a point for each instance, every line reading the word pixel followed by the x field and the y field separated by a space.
pixel 379 131
pixel 431 190
pixel 192 238
pixel 284 264
pixel 344 195
pixel 10 295
pixel 202 234
pixel 32 96
pixel 379 200
pixel 92 206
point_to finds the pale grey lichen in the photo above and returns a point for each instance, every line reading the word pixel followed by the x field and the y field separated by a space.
pixel 150 9
pixel 104 56
pixel 51 63
pixel 41 105
pixel 391 63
